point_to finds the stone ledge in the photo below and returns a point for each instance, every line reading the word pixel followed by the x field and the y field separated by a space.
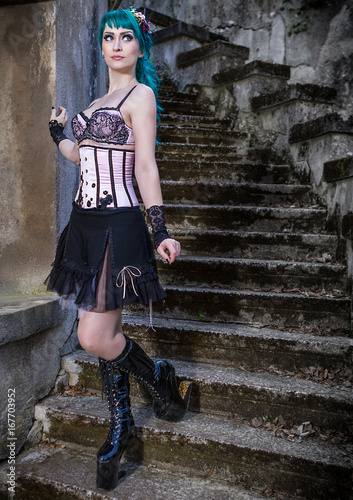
pixel 337 170
pixel 218 47
pixel 183 29
pixel 253 68
pixel 22 316
pixel 308 92
pixel 326 124
pixel 158 18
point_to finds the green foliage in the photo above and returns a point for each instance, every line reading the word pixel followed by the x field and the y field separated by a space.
pixel 300 14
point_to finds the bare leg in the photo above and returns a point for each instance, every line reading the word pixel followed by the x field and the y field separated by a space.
pixel 101 333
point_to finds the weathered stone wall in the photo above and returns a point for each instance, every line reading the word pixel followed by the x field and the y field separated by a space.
pixel 49 56
pixel 27 162
pixel 80 78
pixel 322 55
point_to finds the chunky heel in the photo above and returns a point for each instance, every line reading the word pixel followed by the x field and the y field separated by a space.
pixel 176 410
pixel 108 473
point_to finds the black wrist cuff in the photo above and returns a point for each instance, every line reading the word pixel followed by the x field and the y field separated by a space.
pixel 56 131
pixel 159 237
pixel 159 230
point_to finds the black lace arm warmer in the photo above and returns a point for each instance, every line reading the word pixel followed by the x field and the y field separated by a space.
pixel 56 131
pixel 159 230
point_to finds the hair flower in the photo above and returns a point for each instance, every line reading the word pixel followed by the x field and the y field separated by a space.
pixel 141 19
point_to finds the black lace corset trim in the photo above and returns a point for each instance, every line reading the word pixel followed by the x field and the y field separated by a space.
pixel 102 127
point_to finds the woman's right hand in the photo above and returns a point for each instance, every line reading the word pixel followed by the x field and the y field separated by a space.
pixel 62 117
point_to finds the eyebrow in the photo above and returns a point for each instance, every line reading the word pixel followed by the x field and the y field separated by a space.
pixel 122 33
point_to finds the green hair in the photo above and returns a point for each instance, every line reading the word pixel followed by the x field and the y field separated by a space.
pixel 146 72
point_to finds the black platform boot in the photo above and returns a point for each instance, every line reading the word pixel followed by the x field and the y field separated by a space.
pixel 117 388
pixel 170 402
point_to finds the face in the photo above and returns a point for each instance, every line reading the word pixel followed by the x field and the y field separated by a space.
pixel 120 48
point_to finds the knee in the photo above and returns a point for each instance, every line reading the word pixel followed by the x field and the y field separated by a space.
pixel 89 340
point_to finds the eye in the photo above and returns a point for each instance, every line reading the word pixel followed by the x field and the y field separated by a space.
pixel 108 37
pixel 128 37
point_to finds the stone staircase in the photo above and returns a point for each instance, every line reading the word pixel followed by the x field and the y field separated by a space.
pixel 258 316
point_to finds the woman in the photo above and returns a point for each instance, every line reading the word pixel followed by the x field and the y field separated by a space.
pixel 104 258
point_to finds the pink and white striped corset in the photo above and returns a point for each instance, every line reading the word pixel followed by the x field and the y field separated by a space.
pixel 106 178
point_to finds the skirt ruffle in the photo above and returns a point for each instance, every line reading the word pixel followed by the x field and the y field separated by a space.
pixel 131 272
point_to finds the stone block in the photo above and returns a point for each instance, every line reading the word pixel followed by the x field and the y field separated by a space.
pixel 256 67
pixel 339 169
pixel 219 47
pixel 320 149
pixel 34 436
pixel 165 54
pixel 308 92
pixel 184 29
pixel 326 124
pixel 23 316
pixel 347 226
pixel 281 118
pixel 157 18
pixel 30 363
pixel 61 381
pixel 251 86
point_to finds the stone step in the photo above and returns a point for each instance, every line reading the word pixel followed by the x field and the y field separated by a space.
pixel 236 218
pixel 253 68
pixel 195 121
pixel 222 390
pixel 258 245
pixel 176 169
pixel 45 472
pixel 195 153
pixel 330 123
pixel 167 94
pixel 251 274
pixel 171 93
pixel 264 155
pixel 270 309
pixel 205 150
pixel 218 48
pixel 294 92
pixel 188 135
pixel 238 345
pixel 310 469
pixel 230 193
pixel 186 107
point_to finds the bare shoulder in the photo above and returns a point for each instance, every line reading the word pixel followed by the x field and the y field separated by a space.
pixel 142 96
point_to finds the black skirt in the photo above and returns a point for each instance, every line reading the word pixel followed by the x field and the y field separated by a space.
pixel 105 260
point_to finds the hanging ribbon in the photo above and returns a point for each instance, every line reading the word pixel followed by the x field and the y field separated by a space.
pixel 130 271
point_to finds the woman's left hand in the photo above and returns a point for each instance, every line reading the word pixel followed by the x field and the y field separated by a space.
pixel 62 117
pixel 169 250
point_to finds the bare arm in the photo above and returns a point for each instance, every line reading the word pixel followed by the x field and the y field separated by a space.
pixel 68 148
pixel 143 119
